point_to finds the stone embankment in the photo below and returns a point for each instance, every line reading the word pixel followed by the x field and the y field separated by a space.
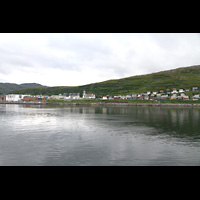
pixel 105 104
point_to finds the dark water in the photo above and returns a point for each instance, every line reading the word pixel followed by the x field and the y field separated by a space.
pixel 35 135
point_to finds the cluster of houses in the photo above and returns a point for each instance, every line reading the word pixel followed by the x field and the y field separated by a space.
pixel 28 98
pixel 72 96
pixel 160 95
pixel 21 98
pixel 155 95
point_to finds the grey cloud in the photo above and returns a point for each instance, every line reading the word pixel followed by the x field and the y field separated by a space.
pixel 115 55
pixel 81 50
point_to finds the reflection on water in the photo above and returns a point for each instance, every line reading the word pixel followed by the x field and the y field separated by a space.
pixel 48 135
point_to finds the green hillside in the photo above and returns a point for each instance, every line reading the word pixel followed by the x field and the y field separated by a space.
pixel 6 88
pixel 186 77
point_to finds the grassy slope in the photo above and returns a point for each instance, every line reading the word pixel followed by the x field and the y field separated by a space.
pixel 179 78
pixel 6 88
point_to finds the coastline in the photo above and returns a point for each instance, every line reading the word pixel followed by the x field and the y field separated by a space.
pixel 104 104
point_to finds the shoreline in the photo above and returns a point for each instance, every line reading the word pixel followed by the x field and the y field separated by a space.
pixel 104 104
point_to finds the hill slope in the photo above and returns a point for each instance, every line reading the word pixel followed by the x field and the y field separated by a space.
pixel 6 88
pixel 186 77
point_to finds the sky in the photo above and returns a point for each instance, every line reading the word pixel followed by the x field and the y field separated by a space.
pixel 73 59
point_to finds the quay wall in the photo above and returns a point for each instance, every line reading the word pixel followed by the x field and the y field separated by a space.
pixel 105 104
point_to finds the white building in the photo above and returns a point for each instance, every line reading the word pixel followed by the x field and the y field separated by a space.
pixel 186 98
pixel 58 97
pixel 174 91
pixel 128 97
pixel 105 98
pixel 72 96
pixel 196 96
pixel 165 96
pixel 122 96
pixel 195 89
pixel 15 97
pixel 181 91
pixel 88 96
pixel 158 95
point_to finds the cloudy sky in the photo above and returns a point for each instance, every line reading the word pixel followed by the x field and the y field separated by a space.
pixel 72 59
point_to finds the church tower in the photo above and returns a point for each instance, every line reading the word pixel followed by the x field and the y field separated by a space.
pixel 84 93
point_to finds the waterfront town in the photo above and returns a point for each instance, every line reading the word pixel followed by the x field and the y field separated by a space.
pixel 162 95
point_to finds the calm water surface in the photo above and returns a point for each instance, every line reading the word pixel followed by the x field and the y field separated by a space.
pixel 36 135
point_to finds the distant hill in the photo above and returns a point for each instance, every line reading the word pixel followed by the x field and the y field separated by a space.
pixel 6 88
pixel 30 85
pixel 186 77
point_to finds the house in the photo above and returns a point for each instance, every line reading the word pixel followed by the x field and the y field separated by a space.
pixel 105 97
pixel 162 92
pixel 187 90
pixel 134 96
pixel 57 97
pixel 181 91
pixel 174 96
pixel 116 97
pixel 29 98
pixel 164 96
pixel 122 97
pixel 88 96
pixel 72 96
pixel 2 98
pixel 182 94
pixel 168 91
pixel 148 93
pixel 61 97
pixel 155 93
pixel 180 97
pixel 128 97
pixel 146 97
pixel 195 89
pixel 196 96
pixel 42 98
pixel 174 91
pixel 141 98
pixel 15 97
pixel 76 96
pixel 186 98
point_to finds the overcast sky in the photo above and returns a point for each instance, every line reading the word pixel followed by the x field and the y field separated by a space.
pixel 70 59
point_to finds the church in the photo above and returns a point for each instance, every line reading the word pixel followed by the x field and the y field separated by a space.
pixel 88 96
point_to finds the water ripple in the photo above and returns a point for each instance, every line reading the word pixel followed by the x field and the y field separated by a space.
pixel 99 136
